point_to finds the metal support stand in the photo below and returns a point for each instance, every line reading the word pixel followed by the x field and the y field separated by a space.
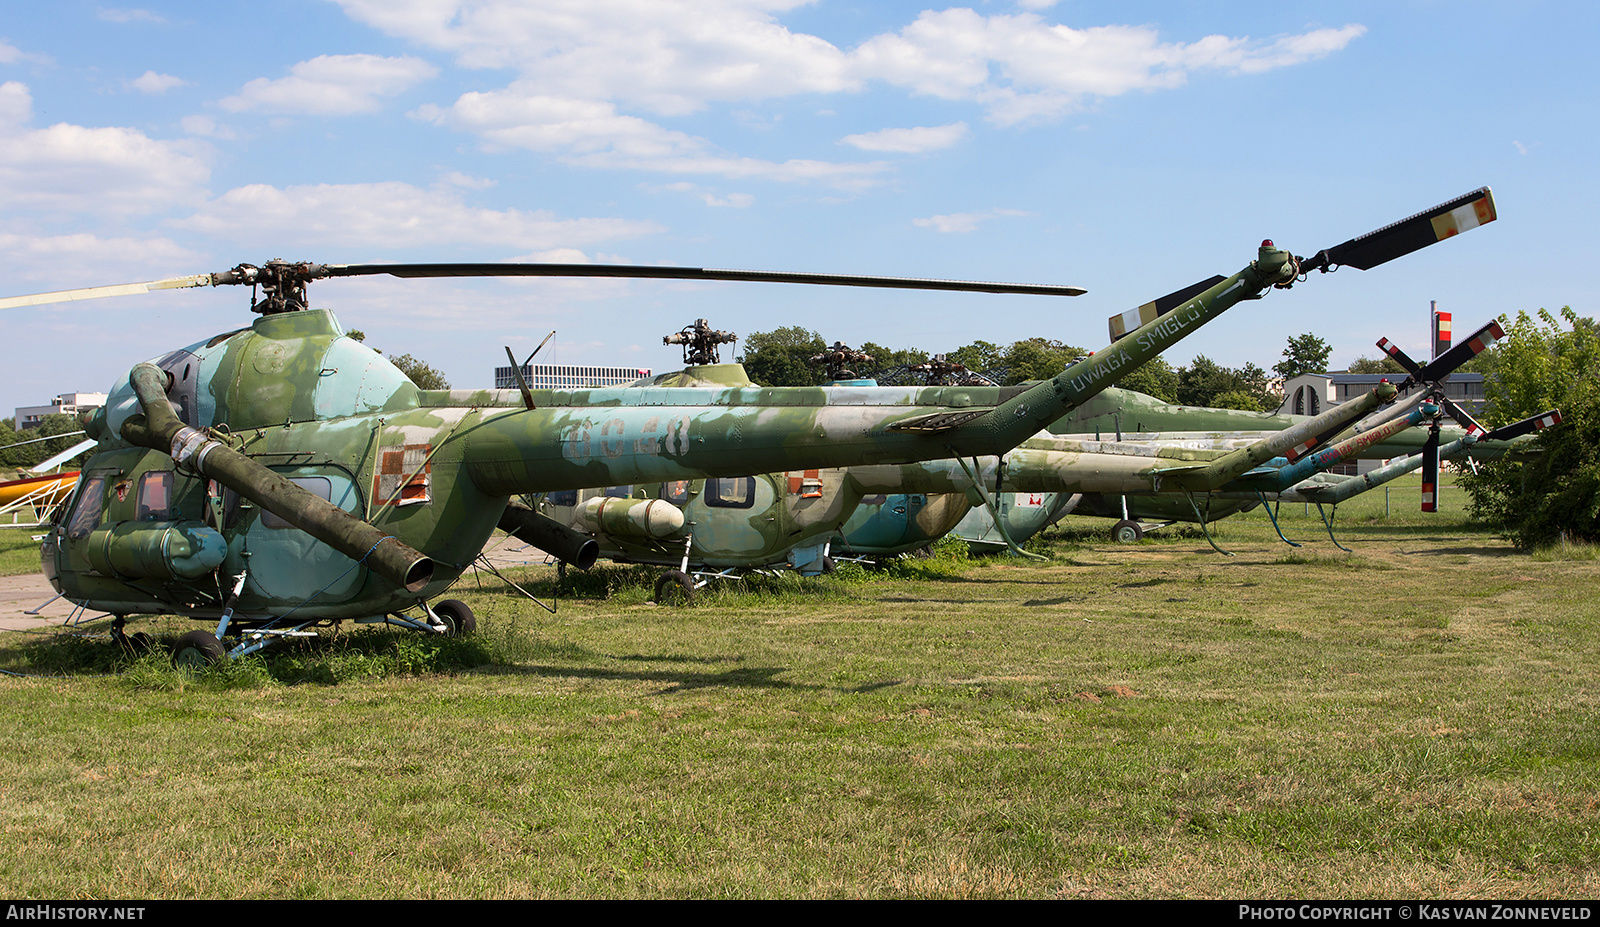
pixel 555 601
pixel 1272 513
pixel 1328 520
pixel 1204 526
pixel 994 510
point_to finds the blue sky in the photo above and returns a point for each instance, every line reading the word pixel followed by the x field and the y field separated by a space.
pixel 1129 148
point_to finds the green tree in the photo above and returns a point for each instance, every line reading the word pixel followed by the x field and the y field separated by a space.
pixel 1238 399
pixel 34 451
pixel 889 367
pixel 1538 366
pixel 1384 365
pixel 782 357
pixel 981 357
pixel 1037 359
pixel 1203 380
pixel 1155 378
pixel 1554 493
pixel 1305 354
pixel 424 376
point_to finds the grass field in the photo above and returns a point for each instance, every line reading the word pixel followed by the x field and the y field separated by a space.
pixel 1414 719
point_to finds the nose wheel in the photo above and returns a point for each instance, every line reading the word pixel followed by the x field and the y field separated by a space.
pixel 197 650
pixel 456 617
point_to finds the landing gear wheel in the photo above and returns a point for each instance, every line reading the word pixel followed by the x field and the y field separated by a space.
pixel 457 617
pixel 925 552
pixel 1127 532
pixel 197 650
pixel 674 587
pixel 829 567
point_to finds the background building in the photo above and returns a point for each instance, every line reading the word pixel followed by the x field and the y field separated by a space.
pixel 565 376
pixel 66 403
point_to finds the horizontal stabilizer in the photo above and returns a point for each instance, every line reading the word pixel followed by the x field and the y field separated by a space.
pixel 939 421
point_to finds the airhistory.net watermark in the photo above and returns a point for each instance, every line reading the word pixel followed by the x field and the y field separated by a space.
pixel 73 912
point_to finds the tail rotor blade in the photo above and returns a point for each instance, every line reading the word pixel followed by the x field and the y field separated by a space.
pixel 1464 351
pixel 1462 417
pixel 1517 429
pixel 1400 357
pixel 1430 226
pixel 1430 471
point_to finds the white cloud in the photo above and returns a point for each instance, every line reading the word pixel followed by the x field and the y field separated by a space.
pixel 709 197
pixel 151 82
pixel 16 104
pixel 669 57
pixel 68 168
pixel 62 261
pixel 909 141
pixel 961 222
pixel 585 67
pixel 205 127
pixel 128 16
pixel 10 54
pixel 1024 68
pixel 391 215
pixel 593 133
pixel 464 181
pixel 332 85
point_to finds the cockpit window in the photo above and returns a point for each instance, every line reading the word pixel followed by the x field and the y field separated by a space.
pixel 738 492
pixel 155 496
pixel 87 512
pixel 675 492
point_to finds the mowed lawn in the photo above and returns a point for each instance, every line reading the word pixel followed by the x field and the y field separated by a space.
pixel 1413 719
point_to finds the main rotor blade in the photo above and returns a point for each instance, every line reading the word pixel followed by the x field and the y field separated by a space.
pixel 1134 318
pixel 96 292
pixel 693 273
pixel 1446 220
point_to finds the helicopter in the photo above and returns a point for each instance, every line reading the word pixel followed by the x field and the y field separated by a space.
pixel 1386 435
pixel 703 529
pixel 1067 472
pixel 282 477
pixel 726 527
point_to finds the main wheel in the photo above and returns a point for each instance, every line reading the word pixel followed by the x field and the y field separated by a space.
pixel 457 617
pixel 674 587
pixel 197 650
pixel 1127 532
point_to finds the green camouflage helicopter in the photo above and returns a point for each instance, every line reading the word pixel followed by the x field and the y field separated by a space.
pixel 283 476
pixel 727 526
pixel 1383 436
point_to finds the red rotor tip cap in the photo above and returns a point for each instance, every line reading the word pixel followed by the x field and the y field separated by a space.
pixel 1267 243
